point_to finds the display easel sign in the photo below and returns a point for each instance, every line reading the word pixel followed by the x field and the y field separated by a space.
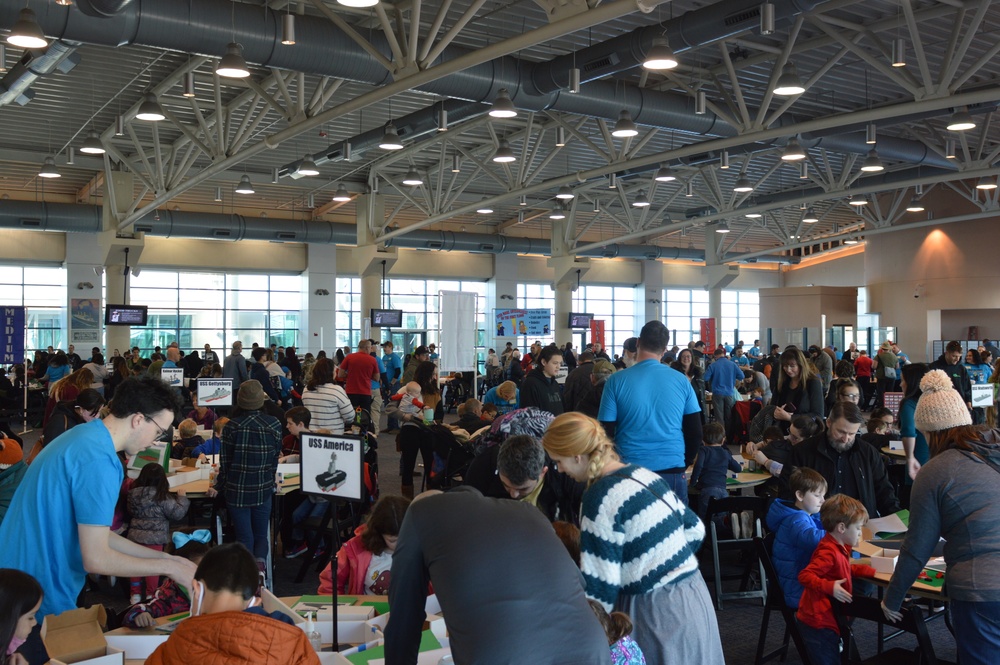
pixel 172 376
pixel 982 395
pixel 333 466
pixel 892 402
pixel 215 392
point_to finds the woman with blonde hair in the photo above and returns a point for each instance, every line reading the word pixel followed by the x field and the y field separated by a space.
pixel 638 543
pixel 67 389
pixel 799 390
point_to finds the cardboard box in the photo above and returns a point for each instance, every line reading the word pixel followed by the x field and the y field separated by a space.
pixel 885 562
pixel 137 644
pixel 186 474
pixel 75 636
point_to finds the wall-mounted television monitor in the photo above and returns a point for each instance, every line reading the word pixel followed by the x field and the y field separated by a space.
pixel 580 320
pixel 125 315
pixel 387 318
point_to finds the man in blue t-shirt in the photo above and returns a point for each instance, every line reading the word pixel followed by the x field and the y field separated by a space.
pixel 723 374
pixel 652 413
pixel 58 527
pixel 393 371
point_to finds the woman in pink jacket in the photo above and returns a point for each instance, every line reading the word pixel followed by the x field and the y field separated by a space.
pixel 364 563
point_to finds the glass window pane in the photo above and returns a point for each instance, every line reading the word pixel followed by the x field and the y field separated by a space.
pixel 203 318
pixel 241 282
pixel 729 296
pixel 699 310
pixel 699 295
pixel 286 283
pixel 245 319
pixel 154 297
pixel 11 275
pixel 247 299
pixel 158 279
pixel 676 295
pixel 200 280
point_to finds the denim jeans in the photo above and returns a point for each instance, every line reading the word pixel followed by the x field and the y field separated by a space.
pixel 723 405
pixel 977 631
pixel 306 510
pixel 678 483
pixel 251 527
pixel 823 644
pixel 707 494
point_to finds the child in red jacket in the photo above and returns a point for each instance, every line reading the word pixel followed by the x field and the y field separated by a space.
pixel 365 561
pixel 830 573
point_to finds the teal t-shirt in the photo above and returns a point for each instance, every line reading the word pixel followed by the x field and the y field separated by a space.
pixel 75 480
pixel 907 427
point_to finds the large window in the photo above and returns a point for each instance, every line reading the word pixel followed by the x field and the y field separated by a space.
pixel 42 291
pixel 198 308
pixel 348 314
pixel 683 310
pixel 615 305
pixel 536 296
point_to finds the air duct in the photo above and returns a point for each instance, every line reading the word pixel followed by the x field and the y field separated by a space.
pixel 16 84
pixel 102 8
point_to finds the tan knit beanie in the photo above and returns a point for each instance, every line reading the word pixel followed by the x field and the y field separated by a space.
pixel 940 406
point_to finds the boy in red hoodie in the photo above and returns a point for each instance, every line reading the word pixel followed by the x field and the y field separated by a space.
pixel 829 574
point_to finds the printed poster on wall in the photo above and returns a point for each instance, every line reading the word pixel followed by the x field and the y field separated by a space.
pixel 333 466
pixel 215 392
pixel 13 335
pixel 85 321
pixel 513 322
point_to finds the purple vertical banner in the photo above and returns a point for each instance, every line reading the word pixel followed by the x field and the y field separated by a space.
pixel 13 335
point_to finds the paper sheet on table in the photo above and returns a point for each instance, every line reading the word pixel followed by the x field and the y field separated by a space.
pixel 423 658
pixel 937 563
pixel 888 524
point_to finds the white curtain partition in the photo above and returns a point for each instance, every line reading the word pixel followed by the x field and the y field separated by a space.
pixel 458 332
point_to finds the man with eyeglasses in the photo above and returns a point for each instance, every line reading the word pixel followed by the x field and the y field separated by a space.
pixel 58 527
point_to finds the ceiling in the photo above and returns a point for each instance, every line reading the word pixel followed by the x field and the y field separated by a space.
pixel 343 81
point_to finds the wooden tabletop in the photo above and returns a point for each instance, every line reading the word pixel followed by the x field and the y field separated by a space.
pixel 899 454
pixel 199 489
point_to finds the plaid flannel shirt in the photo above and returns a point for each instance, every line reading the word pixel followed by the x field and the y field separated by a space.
pixel 251 444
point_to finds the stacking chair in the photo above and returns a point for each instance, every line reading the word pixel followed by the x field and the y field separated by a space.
pixel 736 505
pixel 870 609
pixel 775 601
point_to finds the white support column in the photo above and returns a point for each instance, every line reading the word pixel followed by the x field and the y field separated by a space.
pixel 318 327
pixel 501 293
pixel 568 271
pixel 374 260
pixel 717 277
pixel 649 295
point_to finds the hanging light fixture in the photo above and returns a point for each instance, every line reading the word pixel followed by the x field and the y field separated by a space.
pixel 560 137
pixel 625 127
pixel 358 3
pixel 522 200
pixel 793 151
pixel 274 175
pixel 64 3
pixel 597 205
pixel 346 151
pixel 557 212
pixel 150 110
pixel 70 156
pixel 244 187
pixel 484 209
pixel 871 134
pixel 232 65
pixel 390 139
pixel 743 184
pixel 961 121
pixel 803 170
pixel 574 80
pixel 856 200
pixel 722 227
pixel 442 118
pixel 915 205
pixel 986 183
pixel 851 241
pixel 789 83
pixel 899 52
pixel 766 18
pixel 288 29
pixel 412 178
pixel 456 164
pixel 49 169
pixel 724 159
pixel 754 215
pixel 307 167
pixel 664 174
pixel 3 57
pixel 188 85
pixel 613 181
pixel 689 189
pixel 26 33
pixel 120 126
pixel 949 149
pixel 92 144
pixel 660 56
pixel 700 103
pixel 502 106
pixel 341 195
pixel 565 193
pixel 810 217
pixel 504 154
pixel 872 163
pixel 218 194
pixel 640 200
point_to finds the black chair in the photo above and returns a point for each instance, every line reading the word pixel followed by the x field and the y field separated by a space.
pixel 736 505
pixel 775 601
pixel 870 609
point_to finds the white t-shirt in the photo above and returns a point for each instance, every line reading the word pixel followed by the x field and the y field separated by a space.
pixel 379 572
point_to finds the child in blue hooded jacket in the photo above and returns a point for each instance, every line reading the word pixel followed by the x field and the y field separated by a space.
pixel 797 530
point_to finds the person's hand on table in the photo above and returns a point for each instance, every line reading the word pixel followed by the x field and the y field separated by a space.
pixel 912 467
pixel 895 617
pixel 145 620
pixel 840 593
pixel 211 492
pixel 781 414
pixel 202 459
pixel 181 492
pixel 760 458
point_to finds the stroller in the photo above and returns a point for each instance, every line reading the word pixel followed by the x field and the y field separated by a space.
pixel 451 459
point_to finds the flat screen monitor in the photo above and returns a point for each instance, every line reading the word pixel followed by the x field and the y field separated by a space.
pixel 125 315
pixel 580 320
pixel 387 318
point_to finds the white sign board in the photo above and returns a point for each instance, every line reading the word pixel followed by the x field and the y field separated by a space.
pixel 215 392
pixel 333 466
pixel 172 376
pixel 982 394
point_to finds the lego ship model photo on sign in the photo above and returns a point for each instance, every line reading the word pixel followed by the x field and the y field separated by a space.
pixel 332 466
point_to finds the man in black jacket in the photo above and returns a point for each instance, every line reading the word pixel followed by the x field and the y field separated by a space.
pixel 950 363
pixel 519 469
pixel 578 381
pixel 849 464
pixel 539 387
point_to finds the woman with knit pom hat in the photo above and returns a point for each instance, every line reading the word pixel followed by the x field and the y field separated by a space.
pixel 955 497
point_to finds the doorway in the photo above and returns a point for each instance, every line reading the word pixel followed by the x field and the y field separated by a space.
pixel 405 341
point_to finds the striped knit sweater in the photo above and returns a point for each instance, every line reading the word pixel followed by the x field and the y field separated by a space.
pixel 632 542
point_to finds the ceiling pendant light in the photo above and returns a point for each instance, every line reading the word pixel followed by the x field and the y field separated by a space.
pixel 872 163
pixel 766 18
pixel 390 139
pixel 26 33
pixel 871 134
pixel 949 149
pixel 502 106
pixel 574 81
pixel 49 169
pixel 851 241
pixel 665 174
pixel 700 103
pixel 288 29
pixel 341 195
pixel 565 193
pixel 150 110
pixel 754 215
pixel 218 195
pixel 560 137
pixel 986 183
pixel 625 127
pixel 961 121
pixel 522 200
pixel 307 167
pixel 597 205
pixel 660 56
pixel 484 209
pixel 722 227
pixel 810 217
pixel 899 52
pixel 92 144
pixel 557 212
pixel 412 178
pixel 442 118
pixel 613 181
pixel 858 201
pixel 789 83
pixel 689 189
pixel 358 3
pixel 803 170
pixel 743 184
pixel 456 164
pixel 188 85
pixel 232 65
pixel 244 187
pixel 915 205
pixel 504 154
pixel 3 57
pixel 640 200
pixel 793 151
pixel 724 159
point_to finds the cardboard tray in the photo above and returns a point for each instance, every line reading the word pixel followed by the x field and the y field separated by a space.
pixel 76 637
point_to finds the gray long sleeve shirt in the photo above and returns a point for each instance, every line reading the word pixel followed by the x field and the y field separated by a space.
pixel 955 497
